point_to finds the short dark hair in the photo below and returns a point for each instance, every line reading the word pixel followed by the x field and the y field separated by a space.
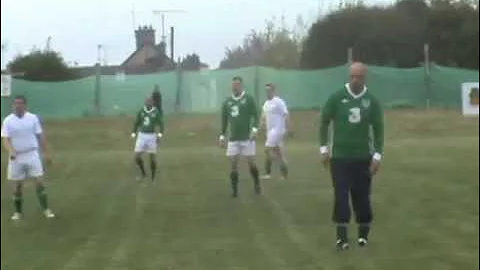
pixel 21 97
pixel 237 78
pixel 270 85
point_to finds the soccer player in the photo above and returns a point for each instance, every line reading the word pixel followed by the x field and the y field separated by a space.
pixel 275 117
pixel 22 136
pixel 240 113
pixel 144 129
pixel 355 155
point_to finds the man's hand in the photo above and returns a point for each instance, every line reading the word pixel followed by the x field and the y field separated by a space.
pixel 326 160
pixel 221 141
pixel 253 134
pixel 325 156
pixel 374 167
pixel 133 135
pixel 159 136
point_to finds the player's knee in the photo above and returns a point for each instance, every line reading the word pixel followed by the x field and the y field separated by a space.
pixel 251 163
pixel 18 189
pixel 38 182
pixel 276 152
pixel 234 166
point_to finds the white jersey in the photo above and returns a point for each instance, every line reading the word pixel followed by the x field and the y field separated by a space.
pixel 276 112
pixel 22 132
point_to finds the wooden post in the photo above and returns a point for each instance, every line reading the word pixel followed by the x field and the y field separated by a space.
pixel 426 64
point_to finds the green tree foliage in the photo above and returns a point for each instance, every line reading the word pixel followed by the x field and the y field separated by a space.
pixel 277 47
pixel 192 62
pixel 41 66
pixel 395 35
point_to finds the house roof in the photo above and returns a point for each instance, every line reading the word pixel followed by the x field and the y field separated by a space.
pixel 157 49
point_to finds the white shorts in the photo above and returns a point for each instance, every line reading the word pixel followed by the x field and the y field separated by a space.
pixel 25 166
pixel 274 138
pixel 241 148
pixel 146 143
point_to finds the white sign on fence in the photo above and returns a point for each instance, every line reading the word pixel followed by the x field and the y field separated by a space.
pixel 470 98
pixel 6 85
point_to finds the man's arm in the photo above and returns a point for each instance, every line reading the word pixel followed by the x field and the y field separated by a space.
pixel 224 121
pixel 262 118
pixel 327 115
pixel 286 114
pixel 254 115
pixel 6 140
pixel 8 146
pixel 378 130
pixel 42 139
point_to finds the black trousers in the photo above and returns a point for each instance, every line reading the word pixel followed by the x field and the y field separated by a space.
pixel 351 179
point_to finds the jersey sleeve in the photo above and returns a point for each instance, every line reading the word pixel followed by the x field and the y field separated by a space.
pixel 38 126
pixel 327 114
pixel 224 119
pixel 283 106
pixel 377 126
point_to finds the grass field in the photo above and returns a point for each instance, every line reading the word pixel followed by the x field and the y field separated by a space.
pixel 425 200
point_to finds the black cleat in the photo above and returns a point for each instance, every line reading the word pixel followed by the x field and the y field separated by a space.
pixel 362 242
pixel 342 245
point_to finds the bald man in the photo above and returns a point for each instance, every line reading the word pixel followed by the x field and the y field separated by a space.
pixel 353 152
pixel 147 136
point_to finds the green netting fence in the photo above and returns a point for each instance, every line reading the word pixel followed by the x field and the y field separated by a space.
pixel 204 91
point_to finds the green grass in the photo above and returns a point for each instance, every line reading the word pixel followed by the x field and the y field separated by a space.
pixel 425 201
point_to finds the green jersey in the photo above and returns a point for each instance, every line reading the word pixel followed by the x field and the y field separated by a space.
pixel 147 120
pixel 356 124
pixel 242 116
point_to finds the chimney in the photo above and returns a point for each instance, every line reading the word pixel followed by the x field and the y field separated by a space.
pixel 144 36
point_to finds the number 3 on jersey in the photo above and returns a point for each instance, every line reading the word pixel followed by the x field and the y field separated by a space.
pixel 146 121
pixel 355 115
pixel 234 111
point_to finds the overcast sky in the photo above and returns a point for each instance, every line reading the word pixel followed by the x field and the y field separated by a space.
pixel 78 26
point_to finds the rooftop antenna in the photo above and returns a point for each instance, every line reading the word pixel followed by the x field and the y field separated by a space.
pixel 133 17
pixel 162 14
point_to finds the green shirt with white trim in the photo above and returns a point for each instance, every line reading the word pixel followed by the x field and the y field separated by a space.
pixel 147 120
pixel 355 122
pixel 240 116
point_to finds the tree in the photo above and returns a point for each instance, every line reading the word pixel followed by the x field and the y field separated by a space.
pixel 395 35
pixel 192 62
pixel 41 66
pixel 277 47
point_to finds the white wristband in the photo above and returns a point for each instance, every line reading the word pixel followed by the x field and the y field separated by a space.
pixel 222 138
pixel 160 135
pixel 133 135
pixel 377 156
pixel 254 130
pixel 323 150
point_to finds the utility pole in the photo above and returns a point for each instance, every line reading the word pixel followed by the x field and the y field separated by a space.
pixel 48 44
pixel 99 53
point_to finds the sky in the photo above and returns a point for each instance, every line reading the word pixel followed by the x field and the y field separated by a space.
pixel 77 27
